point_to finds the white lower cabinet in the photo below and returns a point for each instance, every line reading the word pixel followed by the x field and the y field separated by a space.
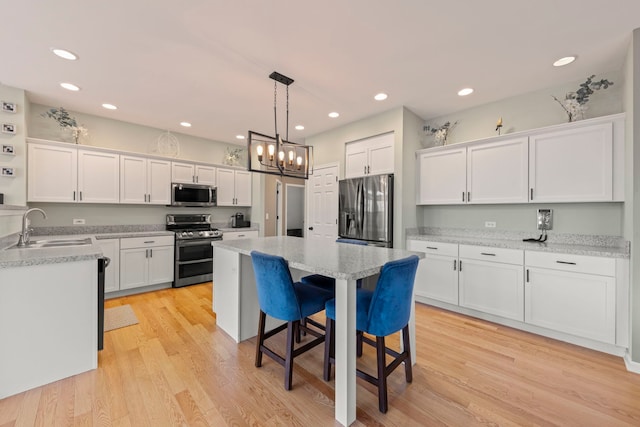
pixel 235 235
pixel 572 294
pixel 437 274
pixel 581 299
pixel 146 261
pixel 491 281
pixel 111 249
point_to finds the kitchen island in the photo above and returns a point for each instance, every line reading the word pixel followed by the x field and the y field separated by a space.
pixel 48 314
pixel 235 301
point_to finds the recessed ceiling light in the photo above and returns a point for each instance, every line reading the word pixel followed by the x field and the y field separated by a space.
pixel 70 86
pixel 65 54
pixel 185 124
pixel 564 61
pixel 299 127
pixel 239 136
pixel 466 91
pixel 380 97
pixel 333 115
pixel 109 106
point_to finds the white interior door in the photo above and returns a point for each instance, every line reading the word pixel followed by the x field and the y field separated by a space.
pixel 322 203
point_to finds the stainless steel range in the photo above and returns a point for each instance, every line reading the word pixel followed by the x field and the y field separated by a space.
pixel 194 253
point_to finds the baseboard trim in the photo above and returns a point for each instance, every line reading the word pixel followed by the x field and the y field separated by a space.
pixel 630 364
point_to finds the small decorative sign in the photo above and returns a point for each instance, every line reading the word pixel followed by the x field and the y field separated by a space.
pixel 9 128
pixel 7 171
pixel 7 149
pixel 9 107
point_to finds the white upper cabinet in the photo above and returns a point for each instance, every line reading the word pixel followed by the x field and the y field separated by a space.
pixel 442 177
pixel 498 172
pixel 371 156
pixel 145 181
pixel 98 177
pixel 573 165
pixel 574 162
pixel 52 173
pixel 234 187
pixel 187 173
pixel 66 174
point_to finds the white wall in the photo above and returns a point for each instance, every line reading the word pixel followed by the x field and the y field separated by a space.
pixel 529 111
pixel 119 135
pixel 632 200
pixel 14 188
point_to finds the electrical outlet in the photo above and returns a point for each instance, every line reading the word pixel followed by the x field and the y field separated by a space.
pixel 545 219
pixel 490 224
pixel 78 221
pixel 267 216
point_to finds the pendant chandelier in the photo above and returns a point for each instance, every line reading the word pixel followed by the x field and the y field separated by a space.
pixel 274 155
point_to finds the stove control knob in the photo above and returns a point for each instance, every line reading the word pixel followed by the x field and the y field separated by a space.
pixel 184 234
pixel 190 233
pixel 201 233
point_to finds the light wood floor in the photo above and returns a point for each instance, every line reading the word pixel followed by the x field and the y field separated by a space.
pixel 176 368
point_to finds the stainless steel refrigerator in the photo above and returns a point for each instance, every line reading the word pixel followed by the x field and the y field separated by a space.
pixel 366 209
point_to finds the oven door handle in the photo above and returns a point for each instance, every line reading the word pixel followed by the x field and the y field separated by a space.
pixel 203 242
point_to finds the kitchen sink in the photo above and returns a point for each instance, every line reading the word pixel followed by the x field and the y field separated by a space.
pixel 54 243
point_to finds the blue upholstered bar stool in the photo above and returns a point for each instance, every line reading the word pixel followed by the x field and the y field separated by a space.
pixel 382 312
pixel 281 298
pixel 329 282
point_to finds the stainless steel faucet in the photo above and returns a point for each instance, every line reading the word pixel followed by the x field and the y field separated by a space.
pixel 25 236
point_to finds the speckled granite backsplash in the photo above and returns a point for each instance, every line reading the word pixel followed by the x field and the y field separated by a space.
pixel 559 238
pixel 95 229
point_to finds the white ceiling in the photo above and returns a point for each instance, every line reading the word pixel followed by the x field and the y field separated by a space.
pixel 207 62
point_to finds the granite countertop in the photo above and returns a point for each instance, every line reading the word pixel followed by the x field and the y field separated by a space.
pixel 576 244
pixel 37 256
pixel 328 258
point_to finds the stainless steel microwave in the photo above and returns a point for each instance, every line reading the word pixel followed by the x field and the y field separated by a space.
pixel 193 195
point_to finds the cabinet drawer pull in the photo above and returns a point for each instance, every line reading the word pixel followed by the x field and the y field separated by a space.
pixel 433 248
pixel 150 241
pixel 487 254
pixel 454 265
pixel 240 235
pixel 566 262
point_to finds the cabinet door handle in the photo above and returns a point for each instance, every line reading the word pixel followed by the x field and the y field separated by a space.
pixel 487 254
pixel 468 196
pixel 527 275
pixel 365 170
pixel 150 253
pixel 368 169
pixel 566 262
pixel 433 248
pixel 146 253
pixel 460 266
pixel 463 196
pixel 74 195
pixel 531 194
pixel 454 264
pixel 80 195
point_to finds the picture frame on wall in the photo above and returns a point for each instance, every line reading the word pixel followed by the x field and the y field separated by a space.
pixel 8 149
pixel 9 107
pixel 7 171
pixel 9 128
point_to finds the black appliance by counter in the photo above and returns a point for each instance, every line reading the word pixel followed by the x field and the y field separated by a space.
pixel 193 250
pixel 237 221
pixel 103 263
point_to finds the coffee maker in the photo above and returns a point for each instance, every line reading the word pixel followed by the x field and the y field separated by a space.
pixel 237 220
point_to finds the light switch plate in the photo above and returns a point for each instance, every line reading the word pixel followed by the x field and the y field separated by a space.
pixel 545 219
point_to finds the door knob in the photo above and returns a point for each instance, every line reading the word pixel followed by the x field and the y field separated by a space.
pixel 311 228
